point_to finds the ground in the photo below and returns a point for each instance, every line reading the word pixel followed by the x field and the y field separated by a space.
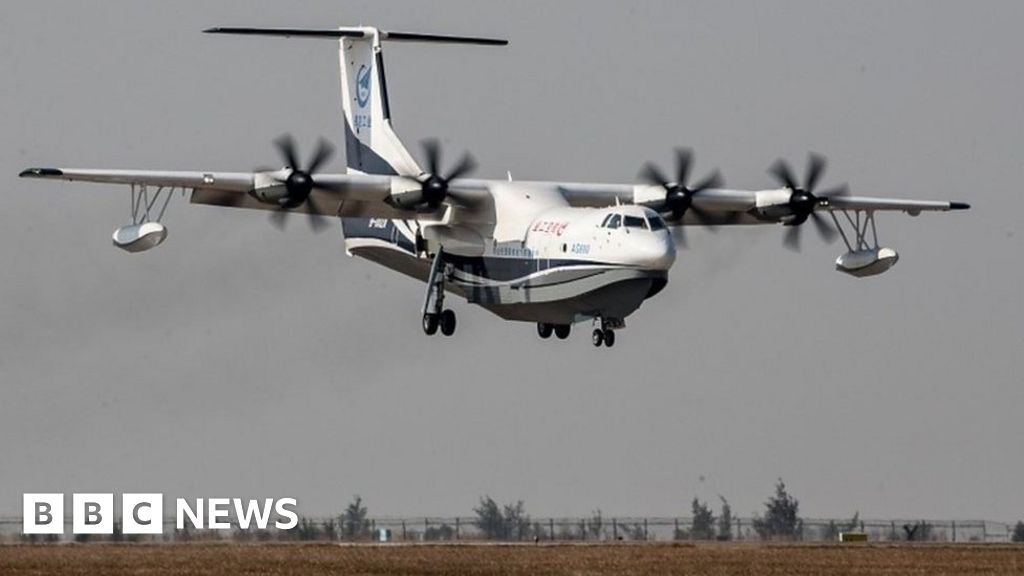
pixel 577 559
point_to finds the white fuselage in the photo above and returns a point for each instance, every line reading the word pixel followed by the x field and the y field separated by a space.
pixel 531 257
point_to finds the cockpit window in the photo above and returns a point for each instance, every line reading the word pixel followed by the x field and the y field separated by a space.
pixel 634 222
pixel 615 221
pixel 656 223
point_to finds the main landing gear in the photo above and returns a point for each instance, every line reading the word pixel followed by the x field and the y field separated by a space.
pixel 433 321
pixel 604 335
pixel 434 313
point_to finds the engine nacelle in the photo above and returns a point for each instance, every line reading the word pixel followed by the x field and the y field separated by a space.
pixel 271 194
pixel 862 263
pixel 140 237
pixel 406 199
pixel 407 193
pixel 285 188
pixel 773 205
pixel 270 187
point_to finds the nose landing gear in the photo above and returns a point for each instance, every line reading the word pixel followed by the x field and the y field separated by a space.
pixel 604 334
pixel 603 338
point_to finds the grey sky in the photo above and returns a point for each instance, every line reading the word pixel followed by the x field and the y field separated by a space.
pixel 239 361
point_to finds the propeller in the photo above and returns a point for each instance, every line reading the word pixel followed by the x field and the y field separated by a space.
pixel 678 194
pixel 300 183
pixel 434 183
pixel 803 200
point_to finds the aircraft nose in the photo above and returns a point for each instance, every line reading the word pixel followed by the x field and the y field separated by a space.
pixel 659 252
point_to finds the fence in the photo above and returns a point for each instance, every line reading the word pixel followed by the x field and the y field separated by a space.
pixel 592 529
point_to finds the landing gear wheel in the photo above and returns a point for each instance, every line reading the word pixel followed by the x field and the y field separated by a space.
pixel 598 338
pixel 430 322
pixel 562 331
pixel 447 322
pixel 609 337
pixel 545 330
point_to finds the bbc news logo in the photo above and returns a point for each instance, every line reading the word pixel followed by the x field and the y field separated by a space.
pixel 144 513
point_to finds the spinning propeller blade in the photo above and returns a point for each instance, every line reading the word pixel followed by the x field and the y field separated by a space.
pixel 803 200
pixel 300 183
pixel 434 182
pixel 679 195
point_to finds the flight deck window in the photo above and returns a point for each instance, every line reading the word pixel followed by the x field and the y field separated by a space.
pixel 656 223
pixel 615 221
pixel 635 222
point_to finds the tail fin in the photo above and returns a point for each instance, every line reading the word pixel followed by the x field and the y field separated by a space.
pixel 371 145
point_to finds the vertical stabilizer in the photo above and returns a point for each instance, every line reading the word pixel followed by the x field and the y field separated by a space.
pixel 371 145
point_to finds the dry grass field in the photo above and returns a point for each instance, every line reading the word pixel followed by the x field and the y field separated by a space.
pixel 317 559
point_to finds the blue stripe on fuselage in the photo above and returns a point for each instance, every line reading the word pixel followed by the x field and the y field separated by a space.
pixel 494 268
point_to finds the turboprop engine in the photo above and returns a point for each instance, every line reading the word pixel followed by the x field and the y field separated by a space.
pixel 428 191
pixel 293 186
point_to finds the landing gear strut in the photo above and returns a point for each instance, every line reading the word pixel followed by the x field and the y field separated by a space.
pixel 434 313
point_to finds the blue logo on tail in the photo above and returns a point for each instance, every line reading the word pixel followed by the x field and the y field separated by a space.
pixel 363 86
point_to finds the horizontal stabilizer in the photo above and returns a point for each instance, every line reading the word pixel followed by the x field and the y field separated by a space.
pixel 358 33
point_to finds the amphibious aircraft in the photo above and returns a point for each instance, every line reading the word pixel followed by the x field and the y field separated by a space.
pixel 550 253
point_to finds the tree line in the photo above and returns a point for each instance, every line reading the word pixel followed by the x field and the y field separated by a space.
pixel 779 520
pixel 510 522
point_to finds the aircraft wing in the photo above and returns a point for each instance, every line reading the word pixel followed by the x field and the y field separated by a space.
pixel 334 194
pixel 725 201
pixel 360 195
pixel 228 181
pixel 912 207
